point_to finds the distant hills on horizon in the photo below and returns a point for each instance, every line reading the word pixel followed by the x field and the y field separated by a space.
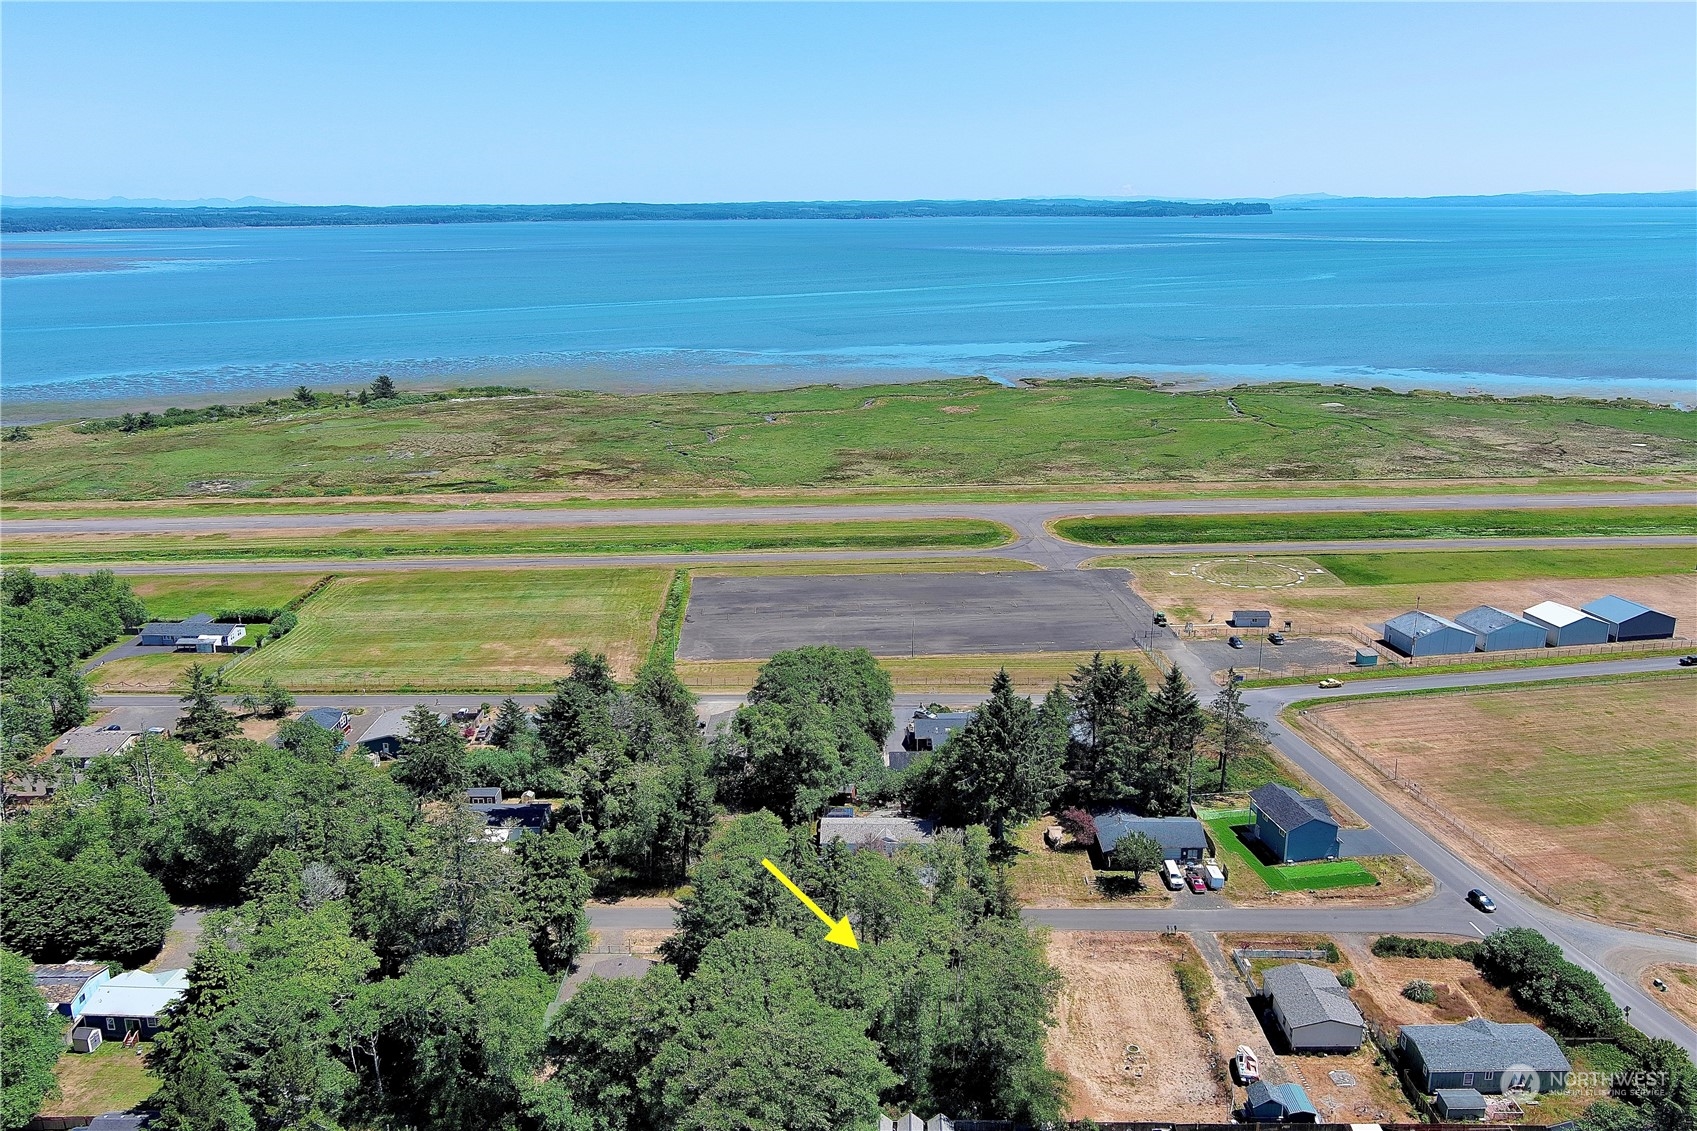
pixel 57 214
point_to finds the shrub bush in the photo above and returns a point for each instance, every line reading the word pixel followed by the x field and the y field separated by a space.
pixel 1347 979
pixel 1399 946
pixel 283 622
pixel 1421 991
pixel 1570 999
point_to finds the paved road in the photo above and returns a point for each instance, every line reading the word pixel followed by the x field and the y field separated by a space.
pixel 1614 954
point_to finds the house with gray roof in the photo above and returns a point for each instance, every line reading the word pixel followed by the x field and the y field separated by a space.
pixel 199 633
pixel 1294 827
pixel 1501 631
pixel 932 729
pixel 1487 1056
pixel 1313 1009
pixel 1421 633
pixel 885 833
pixel 1182 839
pixel 1279 1103
pixel 386 733
pixel 81 745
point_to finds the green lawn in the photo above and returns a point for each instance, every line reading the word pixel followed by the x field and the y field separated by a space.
pixel 355 545
pixel 484 629
pixel 112 1078
pixel 1222 825
pixel 1439 566
pixel 171 597
pixel 959 432
pixel 1130 530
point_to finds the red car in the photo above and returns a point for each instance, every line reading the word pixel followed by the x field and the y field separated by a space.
pixel 1196 884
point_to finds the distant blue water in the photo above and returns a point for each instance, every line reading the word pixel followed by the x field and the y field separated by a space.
pixel 1593 301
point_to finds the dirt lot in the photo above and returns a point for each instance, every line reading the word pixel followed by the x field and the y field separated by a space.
pixel 1573 783
pixel 1120 990
pixel 1298 590
pixel 1462 993
pixel 1681 995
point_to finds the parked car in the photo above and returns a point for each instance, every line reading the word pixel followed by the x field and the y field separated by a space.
pixel 1328 683
pixel 1688 661
pixel 1482 901
pixel 1235 641
pixel 1275 638
pixel 1160 618
pixel 1196 884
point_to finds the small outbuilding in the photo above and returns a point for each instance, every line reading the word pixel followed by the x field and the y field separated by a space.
pixel 1459 1105
pixel 1251 618
pixel 1628 620
pixel 1565 626
pixel 1279 1103
pixel 1293 827
pixel 1501 631
pixel 1313 1009
pixel 1419 633
pixel 1366 658
pixel 1182 839
pixel 85 1038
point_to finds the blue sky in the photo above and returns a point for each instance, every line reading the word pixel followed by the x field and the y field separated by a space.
pixel 455 103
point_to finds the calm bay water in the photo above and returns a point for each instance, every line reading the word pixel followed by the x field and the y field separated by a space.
pixel 1569 300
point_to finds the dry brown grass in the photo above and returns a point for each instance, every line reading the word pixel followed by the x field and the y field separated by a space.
pixel 1567 785
pixel 1681 995
pixel 1120 990
pixel 1046 877
pixel 1462 993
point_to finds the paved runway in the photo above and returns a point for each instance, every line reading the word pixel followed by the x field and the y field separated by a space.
pixel 750 618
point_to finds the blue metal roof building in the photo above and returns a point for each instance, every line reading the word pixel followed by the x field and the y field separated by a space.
pixel 1427 634
pixel 1628 620
pixel 1501 631
pixel 1279 1103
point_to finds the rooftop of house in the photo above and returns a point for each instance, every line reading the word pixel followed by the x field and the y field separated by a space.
pixel 1556 613
pixel 330 718
pixel 1481 1045
pixel 189 626
pixel 1417 623
pixel 1615 609
pixel 513 814
pixel 93 741
pixel 390 724
pixel 1171 833
pixel 1287 808
pixel 874 830
pixel 1307 995
pixel 1489 618
pixel 61 982
pixel 137 993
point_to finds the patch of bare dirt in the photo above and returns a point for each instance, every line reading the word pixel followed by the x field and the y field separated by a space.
pixel 1120 990
pixel 1680 997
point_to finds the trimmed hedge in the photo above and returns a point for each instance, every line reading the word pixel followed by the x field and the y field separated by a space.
pixel 1399 946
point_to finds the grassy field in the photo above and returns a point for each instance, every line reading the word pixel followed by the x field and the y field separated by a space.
pixel 1148 530
pixel 112 1078
pixel 961 432
pixel 173 597
pixel 1586 789
pixel 1324 875
pixel 1439 566
pixel 481 629
pixel 158 671
pixel 355 545
pixel 1033 673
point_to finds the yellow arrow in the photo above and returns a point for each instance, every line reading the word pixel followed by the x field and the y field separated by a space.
pixel 841 933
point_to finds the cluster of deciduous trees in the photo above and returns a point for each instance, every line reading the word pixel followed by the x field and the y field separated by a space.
pixel 49 625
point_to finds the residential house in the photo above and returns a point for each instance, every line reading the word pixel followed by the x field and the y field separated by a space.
pixel 1487 1056
pixel 1182 839
pixel 199 633
pixel 79 746
pixel 67 986
pixel 1628 620
pixel 387 731
pixel 1293 827
pixel 1279 1103
pixel 132 1002
pixel 932 729
pixel 506 822
pixel 885 833
pixel 1313 1009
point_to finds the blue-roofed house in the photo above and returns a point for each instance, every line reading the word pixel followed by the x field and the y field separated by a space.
pixel 1628 620
pixel 1421 633
pixel 1294 827
pixel 1279 1103
pixel 1502 631
pixel 1487 1056
pixel 1182 839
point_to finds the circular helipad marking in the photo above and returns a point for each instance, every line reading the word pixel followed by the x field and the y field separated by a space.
pixel 1248 573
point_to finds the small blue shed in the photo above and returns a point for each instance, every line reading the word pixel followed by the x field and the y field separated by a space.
pixel 1279 1103
pixel 1292 826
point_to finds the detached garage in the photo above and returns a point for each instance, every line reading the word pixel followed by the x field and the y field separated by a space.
pixel 1427 634
pixel 1565 626
pixel 1502 631
pixel 1628 620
